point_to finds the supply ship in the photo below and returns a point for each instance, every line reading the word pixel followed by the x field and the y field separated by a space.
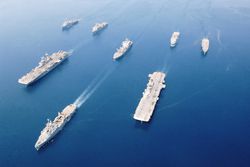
pixel 205 45
pixel 126 44
pixel 67 24
pixel 99 26
pixel 174 38
pixel 150 97
pixel 46 64
pixel 53 127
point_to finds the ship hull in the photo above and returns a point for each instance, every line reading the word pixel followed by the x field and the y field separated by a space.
pixel 44 73
pixel 172 45
pixel 205 51
pixel 174 38
pixel 173 42
pixel 54 133
pixel 67 27
pixel 205 46
pixel 51 136
pixel 118 57
pixel 99 30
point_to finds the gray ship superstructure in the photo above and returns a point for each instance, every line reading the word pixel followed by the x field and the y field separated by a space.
pixel 46 64
pixel 67 24
pixel 205 45
pixel 53 127
pixel 99 26
pixel 150 97
pixel 174 38
pixel 126 44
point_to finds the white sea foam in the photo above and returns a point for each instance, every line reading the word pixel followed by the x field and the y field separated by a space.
pixel 93 86
pixel 219 37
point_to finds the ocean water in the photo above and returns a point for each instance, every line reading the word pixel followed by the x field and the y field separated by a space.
pixel 201 120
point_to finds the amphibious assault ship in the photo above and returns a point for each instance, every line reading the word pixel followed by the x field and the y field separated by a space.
pixel 53 127
pixel 174 38
pixel 67 24
pixel 46 64
pixel 99 26
pixel 150 96
pixel 205 45
pixel 126 44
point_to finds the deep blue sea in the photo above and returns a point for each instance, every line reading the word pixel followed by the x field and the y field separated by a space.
pixel 201 120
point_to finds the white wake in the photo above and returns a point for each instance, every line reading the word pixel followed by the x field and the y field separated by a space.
pixel 94 85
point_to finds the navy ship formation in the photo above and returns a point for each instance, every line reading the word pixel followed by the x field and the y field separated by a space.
pixel 147 103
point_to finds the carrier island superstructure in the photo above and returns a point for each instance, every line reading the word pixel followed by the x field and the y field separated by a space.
pixel 53 127
pixel 126 44
pixel 150 97
pixel 46 64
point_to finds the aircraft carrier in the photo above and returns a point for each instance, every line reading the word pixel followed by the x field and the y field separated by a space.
pixel 99 26
pixel 46 64
pixel 126 44
pixel 151 94
pixel 52 128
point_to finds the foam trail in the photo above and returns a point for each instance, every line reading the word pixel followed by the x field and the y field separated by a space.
pixel 71 51
pixel 166 71
pixel 187 98
pixel 77 101
pixel 79 45
pixel 219 37
pixel 96 83
pixel 165 64
pixel 83 99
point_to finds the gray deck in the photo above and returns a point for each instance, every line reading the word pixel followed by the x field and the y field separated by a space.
pixel 150 97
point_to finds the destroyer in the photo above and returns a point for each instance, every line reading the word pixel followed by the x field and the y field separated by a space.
pixel 151 94
pixel 46 64
pixel 126 44
pixel 52 128
pixel 67 24
pixel 174 38
pixel 205 45
pixel 99 26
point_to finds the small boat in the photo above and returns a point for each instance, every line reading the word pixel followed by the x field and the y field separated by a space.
pixel 174 38
pixel 99 26
pixel 126 44
pixel 205 45
pixel 67 24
